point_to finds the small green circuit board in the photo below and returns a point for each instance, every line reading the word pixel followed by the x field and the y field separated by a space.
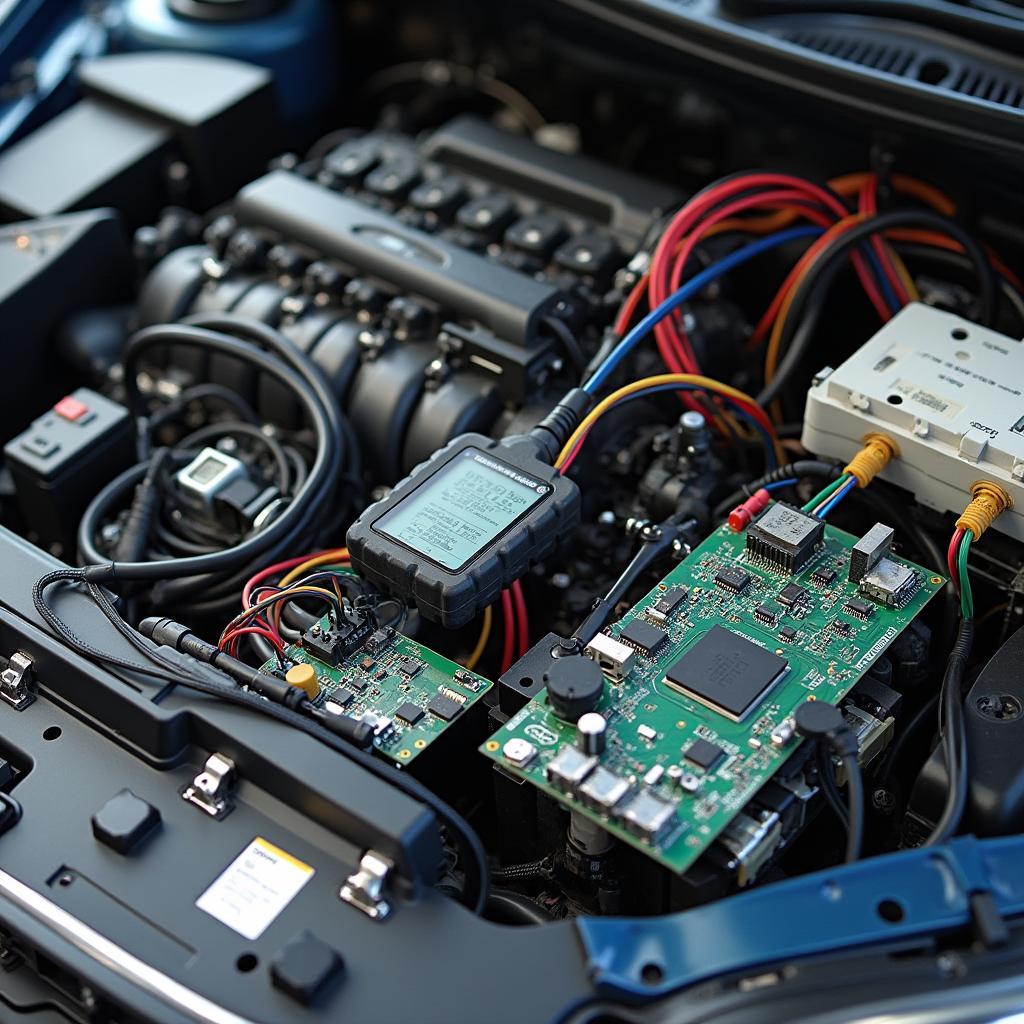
pixel 824 647
pixel 415 693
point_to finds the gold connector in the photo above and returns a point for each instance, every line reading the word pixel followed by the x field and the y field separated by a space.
pixel 987 501
pixel 878 451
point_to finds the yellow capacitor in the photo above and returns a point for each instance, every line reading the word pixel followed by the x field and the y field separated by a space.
pixel 304 677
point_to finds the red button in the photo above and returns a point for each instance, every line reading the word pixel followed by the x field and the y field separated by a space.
pixel 70 408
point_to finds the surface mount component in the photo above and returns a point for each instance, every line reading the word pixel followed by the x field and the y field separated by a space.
pixel 726 672
pixel 784 537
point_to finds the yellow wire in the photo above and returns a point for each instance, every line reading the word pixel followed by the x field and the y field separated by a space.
pixel 904 275
pixel 337 555
pixel 605 404
pixel 481 644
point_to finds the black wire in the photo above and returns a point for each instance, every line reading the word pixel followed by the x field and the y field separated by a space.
pixel 473 855
pixel 505 906
pixel 954 735
pixel 855 802
pixel 568 342
pixel 829 787
pixel 800 468
pixel 198 393
pixel 197 573
pixel 800 318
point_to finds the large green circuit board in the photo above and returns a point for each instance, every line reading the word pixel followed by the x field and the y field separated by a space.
pixel 651 723
pixel 391 676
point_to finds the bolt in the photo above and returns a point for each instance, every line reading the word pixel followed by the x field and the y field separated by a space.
pixel 883 801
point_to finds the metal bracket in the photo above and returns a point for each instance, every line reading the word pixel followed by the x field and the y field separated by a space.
pixel 16 681
pixel 364 888
pixel 210 790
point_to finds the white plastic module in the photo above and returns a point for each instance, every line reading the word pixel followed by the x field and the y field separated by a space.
pixel 950 393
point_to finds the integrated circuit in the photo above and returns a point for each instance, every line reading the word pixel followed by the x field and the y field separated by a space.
pixel 861 609
pixel 643 636
pixel 704 754
pixel 766 613
pixel 667 603
pixel 444 707
pixel 732 579
pixel 791 594
pixel 785 537
pixel 824 576
pixel 726 672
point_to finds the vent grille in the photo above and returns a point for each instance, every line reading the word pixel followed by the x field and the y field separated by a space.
pixel 945 71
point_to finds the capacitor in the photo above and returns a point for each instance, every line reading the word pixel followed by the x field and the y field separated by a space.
pixel 592 733
pixel 574 685
pixel 303 676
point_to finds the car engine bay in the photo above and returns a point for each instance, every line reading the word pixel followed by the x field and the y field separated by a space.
pixel 510 497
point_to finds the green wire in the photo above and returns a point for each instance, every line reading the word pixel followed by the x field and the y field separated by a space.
pixel 826 493
pixel 966 595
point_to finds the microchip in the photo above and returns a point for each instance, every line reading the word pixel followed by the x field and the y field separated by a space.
pixel 704 754
pixel 861 609
pixel 732 579
pixel 765 613
pixel 842 628
pixel 409 667
pixel 341 697
pixel 643 636
pixel 409 712
pixel 667 603
pixel 824 577
pixel 791 594
pixel 444 707
pixel 357 684
pixel 467 679
pixel 726 672
pixel 788 633
pixel 784 537
pixel 381 638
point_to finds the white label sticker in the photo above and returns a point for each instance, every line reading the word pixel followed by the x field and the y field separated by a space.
pixel 254 888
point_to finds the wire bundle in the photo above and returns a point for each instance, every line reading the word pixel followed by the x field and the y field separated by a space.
pixel 205 572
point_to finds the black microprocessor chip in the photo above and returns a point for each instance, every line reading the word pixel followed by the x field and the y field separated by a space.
pixel 409 712
pixel 788 633
pixel 732 579
pixel 444 707
pixel 409 667
pixel 667 603
pixel 824 577
pixel 765 613
pixel 855 606
pixel 704 754
pixel 727 672
pixel 791 594
pixel 341 696
pixel 643 635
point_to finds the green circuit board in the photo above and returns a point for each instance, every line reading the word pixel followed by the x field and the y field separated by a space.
pixel 817 646
pixel 391 676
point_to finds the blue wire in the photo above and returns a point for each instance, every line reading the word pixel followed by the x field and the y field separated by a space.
pixel 779 484
pixel 837 497
pixel 888 293
pixel 696 284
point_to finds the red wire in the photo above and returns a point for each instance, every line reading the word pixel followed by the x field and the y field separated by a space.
pixel 951 553
pixel 519 603
pixel 278 568
pixel 684 221
pixel 868 204
pixel 229 642
pixel 779 199
pixel 508 620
